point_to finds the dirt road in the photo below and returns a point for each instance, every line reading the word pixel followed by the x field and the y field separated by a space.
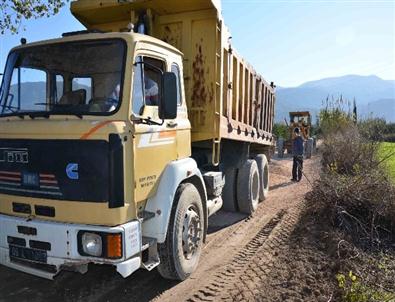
pixel 236 262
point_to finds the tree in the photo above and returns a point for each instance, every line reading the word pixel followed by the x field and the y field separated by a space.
pixel 14 12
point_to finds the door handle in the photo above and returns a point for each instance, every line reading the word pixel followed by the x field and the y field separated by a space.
pixel 171 124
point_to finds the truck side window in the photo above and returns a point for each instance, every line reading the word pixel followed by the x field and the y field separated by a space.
pixel 152 81
pixel 146 83
pixel 138 94
pixel 176 70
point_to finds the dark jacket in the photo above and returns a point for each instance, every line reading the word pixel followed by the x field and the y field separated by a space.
pixel 297 147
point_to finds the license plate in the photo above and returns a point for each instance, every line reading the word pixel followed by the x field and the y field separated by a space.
pixel 28 254
pixel 30 179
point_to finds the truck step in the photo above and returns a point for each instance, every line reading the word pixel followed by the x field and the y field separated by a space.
pixel 147 242
pixel 150 248
pixel 151 264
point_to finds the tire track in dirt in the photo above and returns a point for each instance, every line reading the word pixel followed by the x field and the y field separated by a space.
pixel 224 245
pixel 225 278
pixel 246 285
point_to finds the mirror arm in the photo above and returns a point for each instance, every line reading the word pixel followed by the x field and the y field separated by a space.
pixel 150 121
pixel 145 120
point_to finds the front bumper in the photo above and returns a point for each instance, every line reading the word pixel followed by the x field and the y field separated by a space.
pixel 63 253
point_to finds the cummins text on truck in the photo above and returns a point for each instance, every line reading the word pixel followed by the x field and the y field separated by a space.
pixel 118 142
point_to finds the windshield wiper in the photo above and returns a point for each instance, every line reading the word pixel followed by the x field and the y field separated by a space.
pixel 43 114
pixel 6 107
pixel 46 115
pixel 20 115
pixel 32 115
pixel 77 115
pixel 59 109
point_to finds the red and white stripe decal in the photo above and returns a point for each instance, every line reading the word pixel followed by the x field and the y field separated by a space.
pixel 157 139
pixel 14 179
pixel 48 181
pixel 10 176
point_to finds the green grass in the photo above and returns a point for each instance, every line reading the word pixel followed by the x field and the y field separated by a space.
pixel 385 150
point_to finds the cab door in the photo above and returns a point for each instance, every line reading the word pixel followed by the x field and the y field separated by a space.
pixel 155 144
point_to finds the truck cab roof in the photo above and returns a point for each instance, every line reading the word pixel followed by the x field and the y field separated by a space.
pixel 86 35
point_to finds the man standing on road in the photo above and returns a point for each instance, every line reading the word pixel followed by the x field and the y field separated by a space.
pixel 297 152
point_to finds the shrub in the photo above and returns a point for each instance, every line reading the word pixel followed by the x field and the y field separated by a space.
pixel 355 290
pixel 354 189
pixel 346 151
pixel 354 199
pixel 281 130
pixel 335 115
pixel 373 129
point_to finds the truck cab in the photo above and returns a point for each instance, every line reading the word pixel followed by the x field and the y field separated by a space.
pixel 78 144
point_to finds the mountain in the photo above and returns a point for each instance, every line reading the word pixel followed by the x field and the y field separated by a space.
pixel 310 95
pixel 384 108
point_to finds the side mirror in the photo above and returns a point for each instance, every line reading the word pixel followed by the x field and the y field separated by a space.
pixel 168 102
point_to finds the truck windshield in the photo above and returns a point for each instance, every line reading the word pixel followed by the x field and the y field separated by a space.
pixel 77 78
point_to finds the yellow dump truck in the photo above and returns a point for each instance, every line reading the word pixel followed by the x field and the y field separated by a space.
pixel 117 143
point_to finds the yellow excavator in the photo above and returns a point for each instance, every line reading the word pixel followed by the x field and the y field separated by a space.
pixel 301 120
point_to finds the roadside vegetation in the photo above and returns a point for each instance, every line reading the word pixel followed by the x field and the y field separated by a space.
pixel 14 12
pixel 387 150
pixel 351 208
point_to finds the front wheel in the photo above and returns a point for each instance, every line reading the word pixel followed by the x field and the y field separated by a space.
pixel 179 254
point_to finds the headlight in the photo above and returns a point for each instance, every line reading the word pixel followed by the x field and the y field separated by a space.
pixel 100 244
pixel 92 244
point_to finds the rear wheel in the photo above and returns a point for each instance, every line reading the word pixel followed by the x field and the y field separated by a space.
pixel 263 169
pixel 248 187
pixel 179 254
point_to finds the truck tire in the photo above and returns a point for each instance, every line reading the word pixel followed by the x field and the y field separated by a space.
pixel 248 187
pixel 179 254
pixel 229 191
pixel 263 169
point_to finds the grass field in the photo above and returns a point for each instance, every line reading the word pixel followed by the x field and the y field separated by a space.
pixel 385 150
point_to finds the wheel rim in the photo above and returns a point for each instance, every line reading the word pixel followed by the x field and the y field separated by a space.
pixel 191 232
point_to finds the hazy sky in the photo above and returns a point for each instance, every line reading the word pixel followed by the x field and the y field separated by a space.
pixel 288 42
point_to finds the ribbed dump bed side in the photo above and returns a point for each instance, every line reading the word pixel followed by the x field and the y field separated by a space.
pixel 226 98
